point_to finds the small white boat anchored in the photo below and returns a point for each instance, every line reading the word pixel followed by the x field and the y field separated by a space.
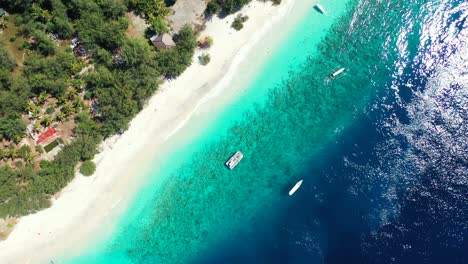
pixel 294 189
pixel 320 8
pixel 338 72
pixel 234 160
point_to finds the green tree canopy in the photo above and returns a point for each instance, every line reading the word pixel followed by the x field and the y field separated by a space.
pixel 172 62
pixel 125 73
pixel 12 129
pixel 135 52
pixel 154 11
pixel 87 168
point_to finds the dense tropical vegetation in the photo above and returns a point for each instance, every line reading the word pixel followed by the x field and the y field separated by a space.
pixel 96 86
pixel 69 64
pixel 154 12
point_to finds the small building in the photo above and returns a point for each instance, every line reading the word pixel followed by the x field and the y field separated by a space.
pixel 74 42
pixel 47 136
pixel 163 41
pixel 205 42
pixel 81 51
pixel 2 12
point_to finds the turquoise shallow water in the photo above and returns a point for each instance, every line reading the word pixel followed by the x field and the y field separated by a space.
pixel 196 201
pixel 198 216
pixel 284 123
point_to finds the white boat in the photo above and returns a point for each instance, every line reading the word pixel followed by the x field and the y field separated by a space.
pixel 294 189
pixel 234 160
pixel 320 8
pixel 338 72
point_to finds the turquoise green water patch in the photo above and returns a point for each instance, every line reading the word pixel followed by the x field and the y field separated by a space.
pixel 197 201
pixel 298 45
pixel 295 49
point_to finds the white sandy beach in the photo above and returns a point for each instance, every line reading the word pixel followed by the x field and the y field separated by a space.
pixel 91 205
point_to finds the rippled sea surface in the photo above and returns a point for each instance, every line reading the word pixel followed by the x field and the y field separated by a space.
pixel 383 151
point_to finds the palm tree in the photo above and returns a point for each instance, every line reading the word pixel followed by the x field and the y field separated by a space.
pixel 46 121
pixel 36 127
pixel 71 94
pixel 62 98
pixel 30 106
pixel 60 117
pixel 3 154
pixel 42 97
pixel 67 109
pixel 79 84
pixel 17 138
pixel 36 112
pixel 78 103
pixel 13 152
pixel 53 104
pixel 29 157
pixel 26 153
pixel 77 66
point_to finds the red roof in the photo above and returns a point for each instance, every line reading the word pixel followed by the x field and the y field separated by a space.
pixel 46 135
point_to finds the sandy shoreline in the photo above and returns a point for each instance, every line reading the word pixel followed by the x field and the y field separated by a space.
pixel 89 204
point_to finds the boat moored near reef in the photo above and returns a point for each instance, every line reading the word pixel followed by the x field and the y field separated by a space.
pixel 320 8
pixel 234 160
pixel 294 189
pixel 337 73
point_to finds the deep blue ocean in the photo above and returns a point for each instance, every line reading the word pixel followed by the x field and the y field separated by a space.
pixel 383 151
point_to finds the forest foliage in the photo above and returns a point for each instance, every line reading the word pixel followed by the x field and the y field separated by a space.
pixel 125 73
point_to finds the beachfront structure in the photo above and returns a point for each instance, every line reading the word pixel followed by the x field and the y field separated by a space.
pixel 47 137
pixel 205 42
pixel 163 41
